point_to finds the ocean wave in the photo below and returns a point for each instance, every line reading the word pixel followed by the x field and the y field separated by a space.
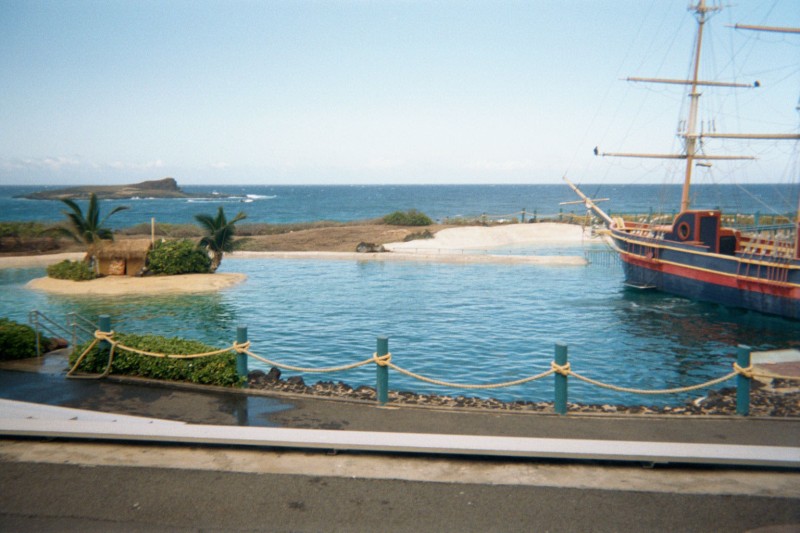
pixel 247 198
pixel 216 200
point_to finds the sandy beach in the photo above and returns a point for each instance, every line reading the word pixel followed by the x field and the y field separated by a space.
pixel 118 285
pixel 30 261
pixel 451 245
pixel 485 238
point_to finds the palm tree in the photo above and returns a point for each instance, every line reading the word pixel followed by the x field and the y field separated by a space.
pixel 219 235
pixel 89 228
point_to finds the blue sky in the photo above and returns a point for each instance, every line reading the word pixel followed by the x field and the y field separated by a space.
pixel 357 91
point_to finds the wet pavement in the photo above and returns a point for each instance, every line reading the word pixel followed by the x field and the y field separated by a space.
pixel 211 407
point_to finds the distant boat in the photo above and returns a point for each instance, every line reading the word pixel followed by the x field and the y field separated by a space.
pixel 695 256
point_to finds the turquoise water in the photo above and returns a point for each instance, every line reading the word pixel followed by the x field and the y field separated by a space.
pixel 455 322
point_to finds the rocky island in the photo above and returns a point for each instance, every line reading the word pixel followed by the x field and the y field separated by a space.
pixel 163 188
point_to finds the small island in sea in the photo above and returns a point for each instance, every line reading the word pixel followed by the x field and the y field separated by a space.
pixel 163 188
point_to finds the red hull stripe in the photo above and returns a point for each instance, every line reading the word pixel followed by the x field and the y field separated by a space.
pixel 784 290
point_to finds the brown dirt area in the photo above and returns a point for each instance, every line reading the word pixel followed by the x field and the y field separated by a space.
pixel 334 238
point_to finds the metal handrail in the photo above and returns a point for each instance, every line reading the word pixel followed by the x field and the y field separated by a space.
pixel 73 328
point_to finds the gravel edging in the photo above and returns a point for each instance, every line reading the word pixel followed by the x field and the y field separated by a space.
pixel 775 399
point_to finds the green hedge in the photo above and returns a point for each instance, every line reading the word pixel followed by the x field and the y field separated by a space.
pixel 213 370
pixel 178 257
pixel 18 341
pixel 72 270
pixel 22 230
pixel 412 217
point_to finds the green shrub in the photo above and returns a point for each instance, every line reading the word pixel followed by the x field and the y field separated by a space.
pixel 18 341
pixel 214 370
pixel 412 217
pixel 72 270
pixel 21 230
pixel 178 257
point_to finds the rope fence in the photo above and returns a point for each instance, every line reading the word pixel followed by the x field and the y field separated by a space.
pixel 742 369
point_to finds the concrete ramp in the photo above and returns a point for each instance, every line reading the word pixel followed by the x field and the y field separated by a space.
pixel 113 428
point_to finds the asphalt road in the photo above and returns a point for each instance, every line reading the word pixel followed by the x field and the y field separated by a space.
pixel 63 497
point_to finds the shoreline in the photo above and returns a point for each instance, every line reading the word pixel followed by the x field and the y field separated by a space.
pixel 120 285
pixel 431 256
pixel 40 260
pixel 768 398
pixel 461 245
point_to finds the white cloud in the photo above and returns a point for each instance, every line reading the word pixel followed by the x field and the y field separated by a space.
pixel 53 163
pixel 56 163
pixel 220 165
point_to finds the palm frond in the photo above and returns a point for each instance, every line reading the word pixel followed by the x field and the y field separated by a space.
pixel 206 221
pixel 115 210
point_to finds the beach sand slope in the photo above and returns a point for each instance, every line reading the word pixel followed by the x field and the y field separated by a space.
pixel 485 238
pixel 116 285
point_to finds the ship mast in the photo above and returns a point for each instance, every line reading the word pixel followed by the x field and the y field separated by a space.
pixel 694 95
pixel 691 136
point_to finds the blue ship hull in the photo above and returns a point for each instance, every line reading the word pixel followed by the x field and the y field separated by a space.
pixel 706 266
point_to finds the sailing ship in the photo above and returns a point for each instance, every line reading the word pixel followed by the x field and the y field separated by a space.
pixel 696 256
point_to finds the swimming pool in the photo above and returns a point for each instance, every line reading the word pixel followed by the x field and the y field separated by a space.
pixel 464 323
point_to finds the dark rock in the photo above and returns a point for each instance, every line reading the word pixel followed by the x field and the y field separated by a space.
pixel 273 375
pixel 256 378
pixel 369 248
pixel 765 400
pixel 56 343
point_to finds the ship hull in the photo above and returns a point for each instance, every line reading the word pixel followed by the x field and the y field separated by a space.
pixel 691 272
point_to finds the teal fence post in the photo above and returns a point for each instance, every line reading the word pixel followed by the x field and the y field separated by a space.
pixel 743 382
pixel 382 373
pixel 241 358
pixel 104 325
pixel 561 380
pixel 522 218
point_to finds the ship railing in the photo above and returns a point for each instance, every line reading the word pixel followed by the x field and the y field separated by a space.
pixel 764 246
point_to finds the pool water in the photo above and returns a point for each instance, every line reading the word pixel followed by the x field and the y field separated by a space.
pixel 463 323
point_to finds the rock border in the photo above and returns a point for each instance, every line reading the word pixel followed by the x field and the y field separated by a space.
pixel 776 399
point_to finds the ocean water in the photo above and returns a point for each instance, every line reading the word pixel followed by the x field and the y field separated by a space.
pixel 284 203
